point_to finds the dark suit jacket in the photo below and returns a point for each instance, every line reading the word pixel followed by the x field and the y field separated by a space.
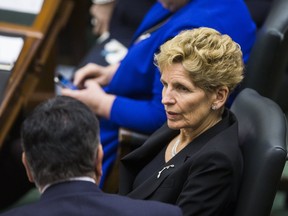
pixel 85 198
pixel 205 176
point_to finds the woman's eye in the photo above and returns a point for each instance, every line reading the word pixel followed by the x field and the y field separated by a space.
pixel 182 88
pixel 164 84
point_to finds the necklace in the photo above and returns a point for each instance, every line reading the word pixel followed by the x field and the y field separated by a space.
pixel 174 148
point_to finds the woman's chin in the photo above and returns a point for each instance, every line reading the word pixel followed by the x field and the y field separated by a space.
pixel 172 125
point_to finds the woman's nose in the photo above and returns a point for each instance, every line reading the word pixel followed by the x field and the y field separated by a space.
pixel 167 97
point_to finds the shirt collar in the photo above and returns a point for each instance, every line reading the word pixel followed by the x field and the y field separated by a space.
pixel 81 178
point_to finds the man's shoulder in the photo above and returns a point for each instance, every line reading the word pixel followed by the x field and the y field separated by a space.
pixel 129 206
pixel 18 211
pixel 81 203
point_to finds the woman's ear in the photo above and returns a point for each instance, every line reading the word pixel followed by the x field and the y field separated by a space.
pixel 27 168
pixel 222 94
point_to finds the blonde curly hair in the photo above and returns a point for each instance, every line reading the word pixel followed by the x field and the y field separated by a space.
pixel 211 59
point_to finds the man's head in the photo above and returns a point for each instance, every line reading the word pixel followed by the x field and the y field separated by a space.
pixel 60 140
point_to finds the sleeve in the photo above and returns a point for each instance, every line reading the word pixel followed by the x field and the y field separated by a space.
pixel 144 116
pixel 208 187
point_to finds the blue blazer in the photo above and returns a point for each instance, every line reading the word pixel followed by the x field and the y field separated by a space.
pixel 85 198
pixel 203 178
pixel 137 81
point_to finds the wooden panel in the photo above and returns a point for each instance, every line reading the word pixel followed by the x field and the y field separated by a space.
pixel 30 68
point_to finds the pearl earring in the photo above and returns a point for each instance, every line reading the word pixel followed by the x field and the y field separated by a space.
pixel 214 107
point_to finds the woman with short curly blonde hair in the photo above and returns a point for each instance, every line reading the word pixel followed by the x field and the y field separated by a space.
pixel 194 160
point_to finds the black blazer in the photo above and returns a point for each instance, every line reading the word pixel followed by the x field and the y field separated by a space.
pixel 203 178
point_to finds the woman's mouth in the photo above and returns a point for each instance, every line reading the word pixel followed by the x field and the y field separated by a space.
pixel 171 115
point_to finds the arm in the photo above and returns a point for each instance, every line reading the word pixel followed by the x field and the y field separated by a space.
pixel 143 116
pixel 140 115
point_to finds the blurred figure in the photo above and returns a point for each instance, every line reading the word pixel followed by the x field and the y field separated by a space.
pixel 101 15
pixel 114 23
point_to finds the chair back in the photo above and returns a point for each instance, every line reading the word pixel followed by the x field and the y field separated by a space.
pixel 259 10
pixel 266 65
pixel 262 134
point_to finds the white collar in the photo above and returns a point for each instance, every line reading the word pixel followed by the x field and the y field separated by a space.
pixel 81 178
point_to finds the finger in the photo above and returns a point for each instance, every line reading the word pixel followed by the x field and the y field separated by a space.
pixel 90 84
pixel 70 93
pixel 79 76
pixel 82 73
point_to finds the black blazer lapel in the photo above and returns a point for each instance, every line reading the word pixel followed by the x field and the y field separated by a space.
pixel 132 163
pixel 155 180
pixel 153 145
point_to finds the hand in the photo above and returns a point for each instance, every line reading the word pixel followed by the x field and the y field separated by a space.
pixel 94 97
pixel 101 14
pixel 100 74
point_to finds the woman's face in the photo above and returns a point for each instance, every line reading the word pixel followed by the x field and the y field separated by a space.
pixel 186 105
pixel 173 5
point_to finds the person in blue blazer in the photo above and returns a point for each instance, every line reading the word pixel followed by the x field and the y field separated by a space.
pixel 128 94
pixel 194 160
pixel 62 155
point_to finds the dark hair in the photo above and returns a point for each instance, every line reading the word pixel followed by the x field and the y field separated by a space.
pixel 60 139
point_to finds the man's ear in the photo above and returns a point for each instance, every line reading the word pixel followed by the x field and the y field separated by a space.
pixel 222 94
pixel 99 159
pixel 27 168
